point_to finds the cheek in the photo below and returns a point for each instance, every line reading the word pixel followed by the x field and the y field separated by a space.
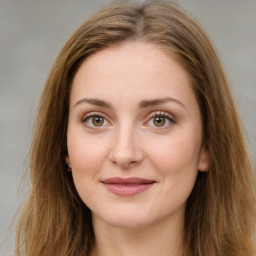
pixel 177 163
pixel 86 157
pixel 175 160
pixel 85 152
pixel 176 155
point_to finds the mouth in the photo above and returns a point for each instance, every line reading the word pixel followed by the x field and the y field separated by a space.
pixel 127 186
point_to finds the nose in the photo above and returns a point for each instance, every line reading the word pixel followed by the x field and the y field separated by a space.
pixel 126 152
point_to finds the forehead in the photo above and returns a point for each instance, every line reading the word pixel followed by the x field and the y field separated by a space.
pixel 131 67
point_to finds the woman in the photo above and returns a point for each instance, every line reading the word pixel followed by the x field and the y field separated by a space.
pixel 138 147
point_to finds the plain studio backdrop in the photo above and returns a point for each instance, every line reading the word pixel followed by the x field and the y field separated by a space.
pixel 32 32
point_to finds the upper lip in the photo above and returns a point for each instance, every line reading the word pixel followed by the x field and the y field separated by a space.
pixel 132 180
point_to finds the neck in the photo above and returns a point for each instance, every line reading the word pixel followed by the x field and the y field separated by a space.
pixel 163 239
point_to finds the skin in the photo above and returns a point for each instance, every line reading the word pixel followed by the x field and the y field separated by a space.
pixel 126 80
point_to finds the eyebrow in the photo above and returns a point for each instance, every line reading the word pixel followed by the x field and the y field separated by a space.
pixel 155 102
pixel 95 102
pixel 142 104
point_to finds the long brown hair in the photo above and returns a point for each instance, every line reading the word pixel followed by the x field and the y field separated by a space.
pixel 220 213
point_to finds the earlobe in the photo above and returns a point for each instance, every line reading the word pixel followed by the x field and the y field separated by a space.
pixel 67 159
pixel 204 160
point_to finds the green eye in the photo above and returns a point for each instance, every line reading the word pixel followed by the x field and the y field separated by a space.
pixel 159 121
pixel 97 120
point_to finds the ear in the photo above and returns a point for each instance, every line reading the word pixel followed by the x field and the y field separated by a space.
pixel 67 159
pixel 204 160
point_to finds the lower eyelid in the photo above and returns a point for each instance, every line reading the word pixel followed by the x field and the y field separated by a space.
pixel 86 120
pixel 169 118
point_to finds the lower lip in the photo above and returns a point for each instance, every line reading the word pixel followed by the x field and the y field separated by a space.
pixel 127 189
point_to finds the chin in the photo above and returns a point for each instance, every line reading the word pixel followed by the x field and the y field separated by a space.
pixel 125 219
pixel 129 223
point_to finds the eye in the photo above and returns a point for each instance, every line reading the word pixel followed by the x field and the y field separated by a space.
pixel 94 120
pixel 161 120
pixel 97 120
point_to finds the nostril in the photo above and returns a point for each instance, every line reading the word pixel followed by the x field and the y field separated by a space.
pixel 127 160
pixel 125 150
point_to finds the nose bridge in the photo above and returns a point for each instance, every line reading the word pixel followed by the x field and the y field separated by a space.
pixel 125 136
pixel 125 149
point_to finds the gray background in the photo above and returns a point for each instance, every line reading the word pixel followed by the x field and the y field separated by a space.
pixel 33 32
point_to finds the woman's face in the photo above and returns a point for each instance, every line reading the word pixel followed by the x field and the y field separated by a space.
pixel 134 136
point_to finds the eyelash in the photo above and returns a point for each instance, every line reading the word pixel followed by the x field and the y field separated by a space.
pixel 90 116
pixel 153 115
pixel 164 115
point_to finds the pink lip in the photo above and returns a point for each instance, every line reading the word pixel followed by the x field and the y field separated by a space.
pixel 127 186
